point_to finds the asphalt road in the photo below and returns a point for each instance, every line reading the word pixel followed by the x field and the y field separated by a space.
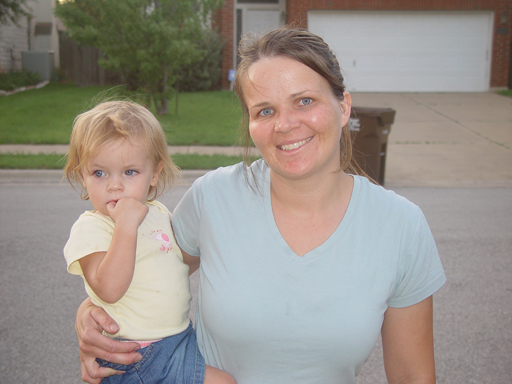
pixel 38 298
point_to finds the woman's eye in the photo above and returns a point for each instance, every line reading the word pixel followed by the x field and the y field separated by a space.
pixel 130 172
pixel 305 101
pixel 265 112
pixel 98 173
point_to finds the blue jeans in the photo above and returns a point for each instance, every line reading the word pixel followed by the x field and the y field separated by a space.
pixel 174 359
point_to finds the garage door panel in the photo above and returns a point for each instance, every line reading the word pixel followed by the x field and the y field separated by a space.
pixel 412 81
pixel 396 64
pixel 409 51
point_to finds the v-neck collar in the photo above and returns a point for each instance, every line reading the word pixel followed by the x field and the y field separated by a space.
pixel 318 251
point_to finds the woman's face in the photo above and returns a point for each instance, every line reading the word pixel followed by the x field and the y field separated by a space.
pixel 295 120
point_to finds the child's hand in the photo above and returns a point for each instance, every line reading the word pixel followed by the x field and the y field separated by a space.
pixel 127 210
pixel 110 273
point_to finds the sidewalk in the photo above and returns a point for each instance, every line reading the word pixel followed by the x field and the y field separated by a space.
pixel 62 149
pixel 437 140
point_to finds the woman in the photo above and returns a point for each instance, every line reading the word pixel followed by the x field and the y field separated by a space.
pixel 303 263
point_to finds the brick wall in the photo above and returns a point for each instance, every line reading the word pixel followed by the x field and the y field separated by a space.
pixel 297 11
pixel 224 22
pixel 13 40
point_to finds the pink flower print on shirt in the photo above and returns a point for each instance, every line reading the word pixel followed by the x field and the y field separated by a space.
pixel 166 243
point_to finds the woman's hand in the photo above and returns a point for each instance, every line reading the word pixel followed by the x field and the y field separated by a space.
pixel 90 322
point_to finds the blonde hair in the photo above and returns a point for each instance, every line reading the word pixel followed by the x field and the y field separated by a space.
pixel 108 122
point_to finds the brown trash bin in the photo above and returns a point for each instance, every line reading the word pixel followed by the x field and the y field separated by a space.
pixel 370 127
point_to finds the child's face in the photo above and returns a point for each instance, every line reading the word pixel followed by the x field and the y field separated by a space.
pixel 120 169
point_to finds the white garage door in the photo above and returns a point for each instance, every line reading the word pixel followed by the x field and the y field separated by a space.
pixel 409 51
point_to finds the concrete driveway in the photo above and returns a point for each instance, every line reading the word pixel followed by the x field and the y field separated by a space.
pixel 441 140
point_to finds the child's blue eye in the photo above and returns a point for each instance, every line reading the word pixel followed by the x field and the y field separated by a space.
pixel 266 112
pixel 306 101
pixel 98 173
pixel 130 172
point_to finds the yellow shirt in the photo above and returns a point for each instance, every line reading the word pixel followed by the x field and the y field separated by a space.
pixel 157 302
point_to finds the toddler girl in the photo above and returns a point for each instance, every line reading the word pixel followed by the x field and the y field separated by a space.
pixel 125 248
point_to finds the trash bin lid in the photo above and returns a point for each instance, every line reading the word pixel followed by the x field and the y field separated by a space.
pixel 386 115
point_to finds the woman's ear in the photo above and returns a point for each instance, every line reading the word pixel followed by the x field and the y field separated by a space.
pixel 346 108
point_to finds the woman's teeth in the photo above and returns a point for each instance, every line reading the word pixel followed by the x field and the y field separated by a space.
pixel 289 147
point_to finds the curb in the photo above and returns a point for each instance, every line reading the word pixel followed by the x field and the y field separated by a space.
pixel 21 89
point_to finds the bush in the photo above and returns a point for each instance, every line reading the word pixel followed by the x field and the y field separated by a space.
pixel 12 80
pixel 203 75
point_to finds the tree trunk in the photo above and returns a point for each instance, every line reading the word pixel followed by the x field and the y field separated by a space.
pixel 177 95
pixel 164 106
pixel 164 102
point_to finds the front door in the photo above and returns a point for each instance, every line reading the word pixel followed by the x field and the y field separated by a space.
pixel 257 17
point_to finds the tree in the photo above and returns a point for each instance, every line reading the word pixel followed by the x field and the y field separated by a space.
pixel 146 41
pixel 205 74
pixel 11 10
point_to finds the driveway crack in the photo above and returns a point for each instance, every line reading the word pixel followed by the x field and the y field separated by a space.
pixel 475 132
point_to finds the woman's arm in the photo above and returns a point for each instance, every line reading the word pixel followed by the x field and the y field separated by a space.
pixel 408 344
pixel 193 262
pixel 90 322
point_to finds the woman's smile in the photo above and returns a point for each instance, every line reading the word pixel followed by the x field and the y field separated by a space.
pixel 298 144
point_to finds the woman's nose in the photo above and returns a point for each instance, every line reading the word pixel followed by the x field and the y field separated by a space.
pixel 286 121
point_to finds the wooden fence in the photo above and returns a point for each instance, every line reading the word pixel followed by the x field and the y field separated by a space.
pixel 80 63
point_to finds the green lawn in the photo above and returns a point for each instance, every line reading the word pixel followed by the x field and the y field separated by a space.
pixel 204 118
pixel 45 116
pixel 53 161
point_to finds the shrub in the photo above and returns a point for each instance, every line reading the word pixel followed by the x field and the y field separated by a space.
pixel 203 75
pixel 12 80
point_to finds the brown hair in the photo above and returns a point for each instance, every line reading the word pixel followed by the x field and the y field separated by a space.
pixel 306 48
pixel 113 120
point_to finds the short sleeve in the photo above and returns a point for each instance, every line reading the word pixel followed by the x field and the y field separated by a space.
pixel 186 218
pixel 88 235
pixel 420 271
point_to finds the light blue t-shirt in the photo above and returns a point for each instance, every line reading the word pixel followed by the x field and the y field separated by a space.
pixel 266 315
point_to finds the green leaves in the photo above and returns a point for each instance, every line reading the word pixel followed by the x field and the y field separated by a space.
pixel 11 10
pixel 146 41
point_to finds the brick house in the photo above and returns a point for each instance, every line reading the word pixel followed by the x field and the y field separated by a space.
pixel 391 45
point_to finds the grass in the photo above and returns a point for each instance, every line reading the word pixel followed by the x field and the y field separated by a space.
pixel 41 161
pixel 204 118
pixel 506 92
pixel 45 116
pixel 53 161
